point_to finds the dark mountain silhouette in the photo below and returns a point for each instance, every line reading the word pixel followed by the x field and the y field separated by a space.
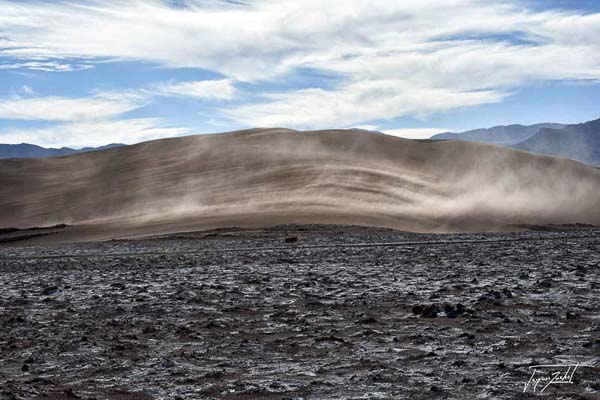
pixel 579 142
pixel 25 150
pixel 502 135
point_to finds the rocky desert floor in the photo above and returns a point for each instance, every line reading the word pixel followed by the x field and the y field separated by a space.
pixel 303 312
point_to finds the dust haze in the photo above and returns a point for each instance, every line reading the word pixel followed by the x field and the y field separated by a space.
pixel 266 177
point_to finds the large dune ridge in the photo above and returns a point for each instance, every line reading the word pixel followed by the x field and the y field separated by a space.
pixel 264 177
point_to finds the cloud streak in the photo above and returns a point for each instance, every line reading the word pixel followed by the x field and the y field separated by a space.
pixel 64 109
pixel 394 58
pixel 223 89
pixel 354 103
pixel 85 121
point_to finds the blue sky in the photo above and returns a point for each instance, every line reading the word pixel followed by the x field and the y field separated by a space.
pixel 88 73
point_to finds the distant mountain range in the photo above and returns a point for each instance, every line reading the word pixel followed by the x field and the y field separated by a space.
pixel 502 135
pixel 25 150
pixel 579 142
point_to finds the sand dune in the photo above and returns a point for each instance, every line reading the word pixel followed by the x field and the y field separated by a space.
pixel 274 176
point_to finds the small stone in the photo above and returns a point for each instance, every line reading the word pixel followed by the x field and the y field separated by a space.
pixel 70 394
pixel 49 291
pixel 430 311
pixel 418 310
pixel 572 315
pixel 367 320
pixel 546 283
pixel 594 344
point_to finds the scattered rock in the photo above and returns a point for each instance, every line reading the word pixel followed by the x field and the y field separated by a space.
pixel 18 319
pixel 50 291
pixel 210 325
pixel 70 394
pixel 367 320
pixel 572 315
pixel 545 283
pixel 417 309
pixel 593 344
pixel 426 311
pixel 454 311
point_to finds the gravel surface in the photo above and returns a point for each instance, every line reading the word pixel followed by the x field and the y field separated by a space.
pixel 302 312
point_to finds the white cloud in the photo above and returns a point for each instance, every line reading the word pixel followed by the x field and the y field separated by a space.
pixel 27 90
pixel 415 133
pixel 93 133
pixel 48 66
pixel 395 57
pixel 79 122
pixel 366 127
pixel 52 108
pixel 354 103
pixel 211 89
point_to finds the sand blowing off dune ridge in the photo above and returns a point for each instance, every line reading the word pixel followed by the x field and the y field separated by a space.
pixel 275 176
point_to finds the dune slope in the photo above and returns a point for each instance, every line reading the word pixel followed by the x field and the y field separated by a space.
pixel 274 176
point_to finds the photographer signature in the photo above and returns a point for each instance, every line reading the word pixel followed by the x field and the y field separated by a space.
pixel 546 375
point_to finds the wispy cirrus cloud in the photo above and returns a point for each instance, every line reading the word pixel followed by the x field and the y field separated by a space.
pixel 94 120
pixel 222 89
pixel 393 58
pixel 47 66
pixel 354 103
pixel 53 108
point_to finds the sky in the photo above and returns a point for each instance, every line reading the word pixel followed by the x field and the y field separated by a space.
pixel 89 73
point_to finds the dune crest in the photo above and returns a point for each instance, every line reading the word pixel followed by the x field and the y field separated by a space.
pixel 274 176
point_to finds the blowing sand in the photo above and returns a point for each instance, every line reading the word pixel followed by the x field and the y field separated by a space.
pixel 267 177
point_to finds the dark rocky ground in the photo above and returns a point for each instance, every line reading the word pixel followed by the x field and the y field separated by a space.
pixel 241 314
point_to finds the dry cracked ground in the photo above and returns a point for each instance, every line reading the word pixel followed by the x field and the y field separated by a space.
pixel 341 313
